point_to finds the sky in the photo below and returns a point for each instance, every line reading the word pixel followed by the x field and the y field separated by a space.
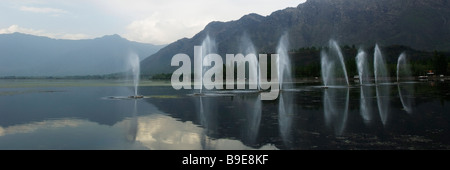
pixel 148 21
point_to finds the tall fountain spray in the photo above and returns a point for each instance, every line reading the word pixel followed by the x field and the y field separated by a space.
pixel 379 66
pixel 246 47
pixel 327 68
pixel 284 63
pixel 133 61
pixel 402 67
pixel 362 64
pixel 381 79
pixel 365 92
pixel 329 58
pixel 208 47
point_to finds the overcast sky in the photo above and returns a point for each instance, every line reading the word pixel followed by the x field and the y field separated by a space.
pixel 150 21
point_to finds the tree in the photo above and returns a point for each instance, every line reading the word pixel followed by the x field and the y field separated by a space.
pixel 440 63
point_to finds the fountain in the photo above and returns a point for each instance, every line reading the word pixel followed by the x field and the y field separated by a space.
pixel 208 47
pixel 379 66
pixel 381 81
pixel 329 58
pixel 133 61
pixel 246 47
pixel 285 101
pixel 403 70
pixel 284 63
pixel 362 65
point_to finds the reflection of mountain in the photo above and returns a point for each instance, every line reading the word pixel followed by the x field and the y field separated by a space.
pixel 236 117
pixel 67 102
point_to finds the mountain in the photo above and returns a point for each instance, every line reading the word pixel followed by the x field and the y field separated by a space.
pixel 420 24
pixel 29 55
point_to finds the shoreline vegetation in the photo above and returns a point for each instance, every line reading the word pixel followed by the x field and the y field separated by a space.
pixel 306 65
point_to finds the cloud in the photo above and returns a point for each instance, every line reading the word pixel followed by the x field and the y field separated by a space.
pixel 149 21
pixel 42 10
pixel 16 28
pixel 162 22
pixel 157 29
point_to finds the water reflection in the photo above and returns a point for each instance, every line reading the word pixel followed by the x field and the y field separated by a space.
pixel 383 98
pixel 285 116
pixel 164 132
pixel 406 93
pixel 133 124
pixel 253 109
pixel 336 113
pixel 79 118
pixel 34 126
pixel 207 115
pixel 365 105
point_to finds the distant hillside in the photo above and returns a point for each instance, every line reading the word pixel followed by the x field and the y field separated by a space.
pixel 28 55
pixel 420 24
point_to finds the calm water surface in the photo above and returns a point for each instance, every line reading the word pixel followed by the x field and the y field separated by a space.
pixel 80 114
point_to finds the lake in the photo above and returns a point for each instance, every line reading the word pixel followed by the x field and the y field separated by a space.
pixel 93 114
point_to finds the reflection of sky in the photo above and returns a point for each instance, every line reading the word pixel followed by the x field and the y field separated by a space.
pixel 164 132
pixel 28 128
pixel 154 131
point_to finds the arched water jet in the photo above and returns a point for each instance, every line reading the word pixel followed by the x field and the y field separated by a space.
pixel 379 66
pixel 284 63
pixel 329 58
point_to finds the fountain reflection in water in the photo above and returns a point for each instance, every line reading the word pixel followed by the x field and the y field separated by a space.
pixel 253 111
pixel 286 98
pixel 382 85
pixel 405 90
pixel 335 112
pixel 365 91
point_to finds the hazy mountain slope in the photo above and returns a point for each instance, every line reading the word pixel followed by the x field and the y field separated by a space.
pixel 28 55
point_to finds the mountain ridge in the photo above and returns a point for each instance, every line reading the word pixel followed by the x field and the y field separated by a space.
pixel 420 24
pixel 30 55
